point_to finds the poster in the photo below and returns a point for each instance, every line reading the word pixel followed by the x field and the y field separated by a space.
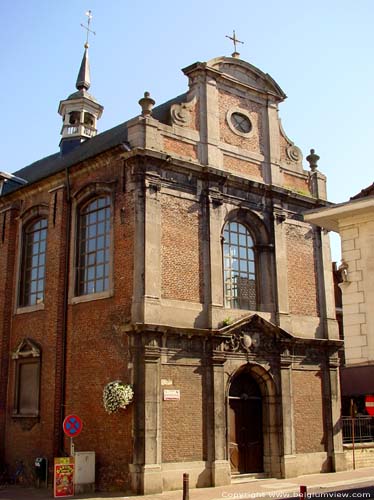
pixel 64 477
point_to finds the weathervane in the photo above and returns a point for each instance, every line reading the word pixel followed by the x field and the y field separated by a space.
pixel 89 17
pixel 235 41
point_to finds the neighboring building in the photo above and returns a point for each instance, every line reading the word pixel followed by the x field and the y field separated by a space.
pixel 170 252
pixel 354 221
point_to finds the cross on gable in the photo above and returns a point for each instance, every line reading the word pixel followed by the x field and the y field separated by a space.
pixel 234 41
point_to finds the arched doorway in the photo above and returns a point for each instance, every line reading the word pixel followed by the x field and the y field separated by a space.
pixel 246 449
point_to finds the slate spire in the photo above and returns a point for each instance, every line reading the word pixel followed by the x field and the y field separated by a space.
pixel 80 111
pixel 84 77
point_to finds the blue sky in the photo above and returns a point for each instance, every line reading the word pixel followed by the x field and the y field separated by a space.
pixel 319 52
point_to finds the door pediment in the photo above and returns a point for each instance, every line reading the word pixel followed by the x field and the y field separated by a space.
pixel 253 334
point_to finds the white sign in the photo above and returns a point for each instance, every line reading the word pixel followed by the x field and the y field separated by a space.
pixel 172 394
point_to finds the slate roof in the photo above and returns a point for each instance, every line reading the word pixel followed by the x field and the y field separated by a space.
pixel 369 191
pixel 56 162
pixel 101 142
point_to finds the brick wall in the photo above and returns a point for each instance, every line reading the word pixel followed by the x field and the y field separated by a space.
pixel 181 258
pixel 302 272
pixel 364 455
pixel 181 148
pixel 308 411
pixel 183 421
pixel 255 142
pixel 97 351
pixel 242 167
pixel 8 235
pixel 297 184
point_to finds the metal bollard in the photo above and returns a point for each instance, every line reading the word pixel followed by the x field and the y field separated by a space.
pixel 186 486
pixel 303 493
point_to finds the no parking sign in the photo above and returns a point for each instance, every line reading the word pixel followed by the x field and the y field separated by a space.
pixel 72 425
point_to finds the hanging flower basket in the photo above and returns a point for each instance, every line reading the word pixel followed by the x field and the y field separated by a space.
pixel 117 395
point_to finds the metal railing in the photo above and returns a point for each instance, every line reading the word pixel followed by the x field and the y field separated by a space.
pixel 361 426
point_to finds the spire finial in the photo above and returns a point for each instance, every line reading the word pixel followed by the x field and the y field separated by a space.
pixel 84 79
pixel 234 41
pixel 89 17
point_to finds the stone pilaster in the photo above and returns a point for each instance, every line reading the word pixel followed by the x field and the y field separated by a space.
pixel 152 248
pixel 145 470
pixel 281 269
pixel 221 471
pixel 333 423
pixel 272 173
pixel 215 256
pixel 288 436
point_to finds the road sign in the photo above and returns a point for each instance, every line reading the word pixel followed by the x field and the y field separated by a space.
pixel 369 405
pixel 72 425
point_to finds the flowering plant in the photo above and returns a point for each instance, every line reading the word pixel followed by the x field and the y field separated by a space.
pixel 117 395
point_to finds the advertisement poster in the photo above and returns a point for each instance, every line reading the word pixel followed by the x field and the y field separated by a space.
pixel 64 477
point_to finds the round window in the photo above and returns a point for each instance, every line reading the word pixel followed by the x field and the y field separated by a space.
pixel 241 123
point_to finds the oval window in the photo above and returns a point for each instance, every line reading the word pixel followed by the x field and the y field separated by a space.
pixel 241 123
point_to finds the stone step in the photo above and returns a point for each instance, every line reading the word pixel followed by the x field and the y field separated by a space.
pixel 246 478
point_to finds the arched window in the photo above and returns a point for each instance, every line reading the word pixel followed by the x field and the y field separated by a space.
pixel 33 263
pixel 239 267
pixel 93 248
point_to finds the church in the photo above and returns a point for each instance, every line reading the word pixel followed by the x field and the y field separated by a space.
pixel 170 253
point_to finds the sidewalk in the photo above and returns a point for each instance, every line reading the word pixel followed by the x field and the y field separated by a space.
pixel 261 488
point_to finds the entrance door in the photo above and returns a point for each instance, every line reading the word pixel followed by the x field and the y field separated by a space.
pixel 245 425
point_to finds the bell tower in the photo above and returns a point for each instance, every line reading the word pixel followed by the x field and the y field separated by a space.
pixel 80 111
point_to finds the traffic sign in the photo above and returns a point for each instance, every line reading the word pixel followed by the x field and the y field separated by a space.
pixel 369 405
pixel 72 425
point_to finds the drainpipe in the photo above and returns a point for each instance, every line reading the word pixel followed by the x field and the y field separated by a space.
pixel 65 312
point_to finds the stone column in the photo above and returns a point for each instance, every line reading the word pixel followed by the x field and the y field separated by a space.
pixel 288 435
pixel 221 471
pixel 145 470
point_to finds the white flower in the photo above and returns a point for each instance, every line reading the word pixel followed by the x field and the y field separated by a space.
pixel 117 395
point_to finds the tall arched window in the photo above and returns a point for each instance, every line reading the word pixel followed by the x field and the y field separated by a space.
pixel 93 249
pixel 33 263
pixel 239 267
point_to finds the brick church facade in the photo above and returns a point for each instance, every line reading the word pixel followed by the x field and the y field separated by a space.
pixel 170 253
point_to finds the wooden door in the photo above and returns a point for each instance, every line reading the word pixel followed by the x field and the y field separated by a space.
pixel 245 433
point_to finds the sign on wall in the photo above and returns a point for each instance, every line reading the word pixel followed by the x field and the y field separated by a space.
pixel 369 405
pixel 172 394
pixel 63 484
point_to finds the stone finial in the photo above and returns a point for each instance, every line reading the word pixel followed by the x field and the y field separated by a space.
pixel 146 104
pixel 312 159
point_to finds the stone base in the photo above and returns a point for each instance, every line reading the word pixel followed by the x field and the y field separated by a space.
pixel 146 479
pixel 221 473
pixel 305 463
pixel 172 475
pixel 339 461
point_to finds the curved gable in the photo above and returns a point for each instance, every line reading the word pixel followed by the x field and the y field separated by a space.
pixel 246 73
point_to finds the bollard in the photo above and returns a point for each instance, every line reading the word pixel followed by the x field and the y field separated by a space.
pixel 303 493
pixel 186 486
